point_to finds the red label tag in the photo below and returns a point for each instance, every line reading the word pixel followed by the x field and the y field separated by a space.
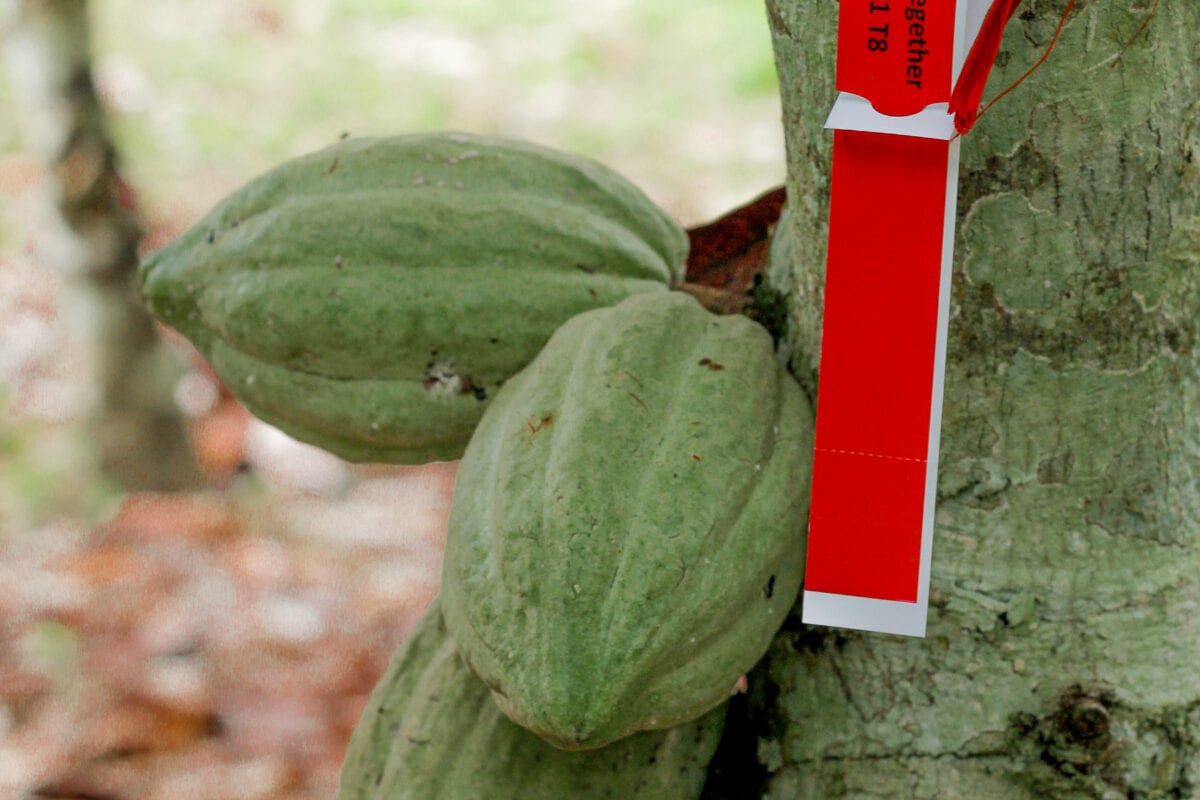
pixel 887 282
pixel 897 54
pixel 877 365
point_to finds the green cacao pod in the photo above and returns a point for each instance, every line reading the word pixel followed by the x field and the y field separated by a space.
pixel 370 297
pixel 627 529
pixel 431 732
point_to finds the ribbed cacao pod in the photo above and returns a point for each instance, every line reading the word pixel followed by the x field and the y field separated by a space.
pixel 628 524
pixel 369 298
pixel 431 732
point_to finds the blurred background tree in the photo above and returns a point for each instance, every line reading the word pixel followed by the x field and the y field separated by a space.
pixel 131 425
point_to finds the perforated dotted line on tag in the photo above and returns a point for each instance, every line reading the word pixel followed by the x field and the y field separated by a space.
pixel 870 455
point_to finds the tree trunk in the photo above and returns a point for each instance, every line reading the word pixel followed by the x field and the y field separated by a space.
pixel 1063 653
pixel 133 428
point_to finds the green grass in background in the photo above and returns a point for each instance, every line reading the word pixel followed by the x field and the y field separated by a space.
pixel 679 96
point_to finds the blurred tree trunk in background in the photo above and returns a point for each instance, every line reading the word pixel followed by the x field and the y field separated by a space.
pixel 133 427
pixel 1061 659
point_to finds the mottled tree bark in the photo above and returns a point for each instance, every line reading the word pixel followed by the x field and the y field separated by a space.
pixel 133 427
pixel 1064 640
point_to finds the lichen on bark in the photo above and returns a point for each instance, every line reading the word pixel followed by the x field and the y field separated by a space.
pixel 1062 644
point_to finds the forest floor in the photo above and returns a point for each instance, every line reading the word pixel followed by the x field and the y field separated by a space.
pixel 189 647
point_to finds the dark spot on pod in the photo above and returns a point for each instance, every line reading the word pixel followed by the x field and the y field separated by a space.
pixel 769 589
pixel 212 236
pixel 588 268
pixel 712 365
